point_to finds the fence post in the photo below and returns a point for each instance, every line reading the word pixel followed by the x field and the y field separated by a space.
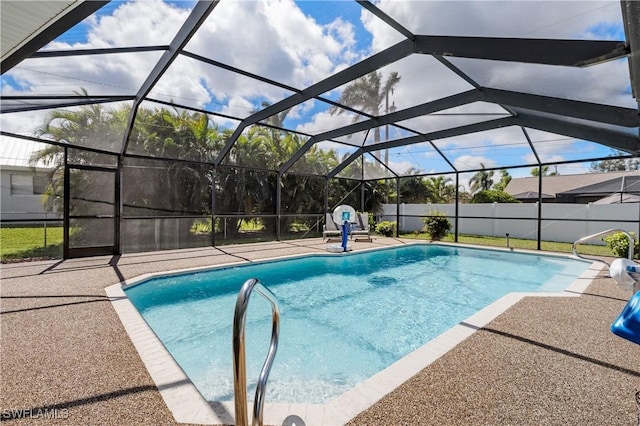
pixel 493 219
pixel 539 222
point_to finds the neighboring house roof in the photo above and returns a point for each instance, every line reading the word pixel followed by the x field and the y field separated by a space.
pixel 531 195
pixel 552 185
pixel 618 199
pixel 15 153
pixel 625 183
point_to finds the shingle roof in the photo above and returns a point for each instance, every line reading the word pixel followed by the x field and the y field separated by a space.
pixel 618 198
pixel 531 195
pixel 625 183
pixel 553 185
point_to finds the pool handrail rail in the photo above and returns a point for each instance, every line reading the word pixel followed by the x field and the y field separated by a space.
pixel 239 361
pixel 601 233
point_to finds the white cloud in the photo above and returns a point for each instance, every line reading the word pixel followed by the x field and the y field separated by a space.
pixel 491 144
pixel 237 106
pixel 401 167
pixel 224 123
pixel 341 149
pixel 132 24
pixel 142 23
pixel 572 169
pixel 455 117
pixel 466 162
pixel 274 38
pixel 544 157
pixel 605 83
pixel 383 35
pixel 535 19
pixel 323 122
pixel 551 147
pixel 22 123
pixel 302 109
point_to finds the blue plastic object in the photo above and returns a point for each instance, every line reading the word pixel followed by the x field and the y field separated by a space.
pixel 345 235
pixel 627 325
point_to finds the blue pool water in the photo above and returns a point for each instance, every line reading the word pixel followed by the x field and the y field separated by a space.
pixel 343 318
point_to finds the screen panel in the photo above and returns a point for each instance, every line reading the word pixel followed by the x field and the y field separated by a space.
pixel 169 132
pixel 294 43
pixel 322 157
pixel 165 188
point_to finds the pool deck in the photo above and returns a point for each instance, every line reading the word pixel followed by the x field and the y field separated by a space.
pixel 65 353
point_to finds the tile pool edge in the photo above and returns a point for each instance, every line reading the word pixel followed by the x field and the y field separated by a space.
pixel 188 406
pixel 240 263
pixel 182 398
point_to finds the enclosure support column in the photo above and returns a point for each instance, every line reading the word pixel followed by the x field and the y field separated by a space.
pixel 326 196
pixel 362 191
pixel 397 207
pixel 539 207
pixel 457 203
pixel 278 207
pixel 213 206
pixel 118 207
pixel 66 210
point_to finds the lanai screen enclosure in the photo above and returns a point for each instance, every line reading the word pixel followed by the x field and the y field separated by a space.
pixel 172 124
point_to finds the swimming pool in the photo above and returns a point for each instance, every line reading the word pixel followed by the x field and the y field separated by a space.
pixel 360 312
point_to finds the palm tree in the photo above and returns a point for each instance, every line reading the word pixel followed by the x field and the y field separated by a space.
pixel 614 165
pixel 178 187
pixel 505 178
pixel 276 120
pixel 545 171
pixel 481 181
pixel 369 95
pixel 442 190
pixel 89 126
pixel 413 189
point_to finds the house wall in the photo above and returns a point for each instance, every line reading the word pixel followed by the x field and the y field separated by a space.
pixel 558 222
pixel 19 207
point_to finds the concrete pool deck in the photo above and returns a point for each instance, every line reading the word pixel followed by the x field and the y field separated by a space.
pixel 547 360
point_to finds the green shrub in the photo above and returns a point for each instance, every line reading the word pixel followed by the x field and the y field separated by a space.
pixel 201 226
pixel 619 244
pixel 437 224
pixel 386 228
pixel 492 196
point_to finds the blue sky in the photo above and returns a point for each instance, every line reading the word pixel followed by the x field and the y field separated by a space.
pixel 347 10
pixel 607 31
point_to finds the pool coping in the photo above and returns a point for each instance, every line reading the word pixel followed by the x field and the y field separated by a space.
pixel 189 406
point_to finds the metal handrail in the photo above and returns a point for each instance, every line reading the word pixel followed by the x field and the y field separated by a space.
pixel 239 367
pixel 608 231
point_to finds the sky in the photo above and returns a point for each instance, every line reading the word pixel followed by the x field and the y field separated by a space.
pixel 298 44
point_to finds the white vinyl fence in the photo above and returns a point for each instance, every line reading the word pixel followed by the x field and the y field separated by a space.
pixel 560 222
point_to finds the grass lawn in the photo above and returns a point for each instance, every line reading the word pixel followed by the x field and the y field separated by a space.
pixel 587 249
pixel 25 243
pixel 22 243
